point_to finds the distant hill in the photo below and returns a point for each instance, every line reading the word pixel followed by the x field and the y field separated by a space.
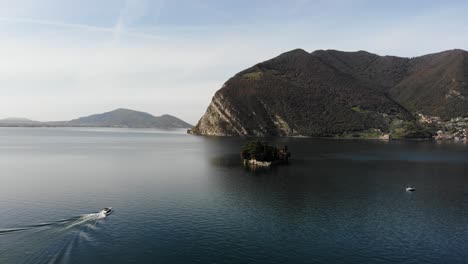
pixel 118 118
pixel 129 118
pixel 329 92
pixel 18 121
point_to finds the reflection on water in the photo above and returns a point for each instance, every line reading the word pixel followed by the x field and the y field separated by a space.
pixel 183 198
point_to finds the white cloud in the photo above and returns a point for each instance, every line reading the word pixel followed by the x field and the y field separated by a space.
pixel 171 76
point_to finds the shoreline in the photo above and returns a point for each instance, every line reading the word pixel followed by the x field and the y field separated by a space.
pixel 334 138
pixel 252 137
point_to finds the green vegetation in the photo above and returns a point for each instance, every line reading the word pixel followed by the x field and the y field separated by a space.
pixel 253 75
pixel 400 129
pixel 372 133
pixel 261 151
pixel 359 109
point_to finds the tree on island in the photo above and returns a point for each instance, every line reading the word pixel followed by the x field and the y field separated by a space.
pixel 261 151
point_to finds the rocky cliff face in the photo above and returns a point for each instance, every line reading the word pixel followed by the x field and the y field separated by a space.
pixel 220 119
pixel 327 93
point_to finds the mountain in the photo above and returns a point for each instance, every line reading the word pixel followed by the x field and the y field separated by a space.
pixel 129 118
pixel 118 118
pixel 329 92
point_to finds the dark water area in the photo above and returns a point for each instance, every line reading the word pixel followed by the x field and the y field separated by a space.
pixel 187 199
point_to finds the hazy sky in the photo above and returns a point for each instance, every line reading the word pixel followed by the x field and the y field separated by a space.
pixel 61 59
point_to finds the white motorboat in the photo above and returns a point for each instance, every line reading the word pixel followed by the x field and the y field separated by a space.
pixel 106 211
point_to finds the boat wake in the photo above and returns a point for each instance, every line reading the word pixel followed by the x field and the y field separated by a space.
pixel 65 223
pixel 51 242
pixel 86 218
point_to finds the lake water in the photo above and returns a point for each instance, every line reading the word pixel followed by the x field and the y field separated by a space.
pixel 186 199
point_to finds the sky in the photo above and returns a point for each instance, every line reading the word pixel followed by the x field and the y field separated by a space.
pixel 62 59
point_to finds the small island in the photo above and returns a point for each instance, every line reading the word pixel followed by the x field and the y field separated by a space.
pixel 257 153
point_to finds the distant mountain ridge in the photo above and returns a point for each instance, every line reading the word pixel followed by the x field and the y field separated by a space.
pixel 117 118
pixel 130 118
pixel 18 120
pixel 329 92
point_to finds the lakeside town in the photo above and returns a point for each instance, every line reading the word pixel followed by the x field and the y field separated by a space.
pixel 455 129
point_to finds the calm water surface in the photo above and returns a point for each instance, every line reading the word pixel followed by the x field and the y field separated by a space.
pixel 186 199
